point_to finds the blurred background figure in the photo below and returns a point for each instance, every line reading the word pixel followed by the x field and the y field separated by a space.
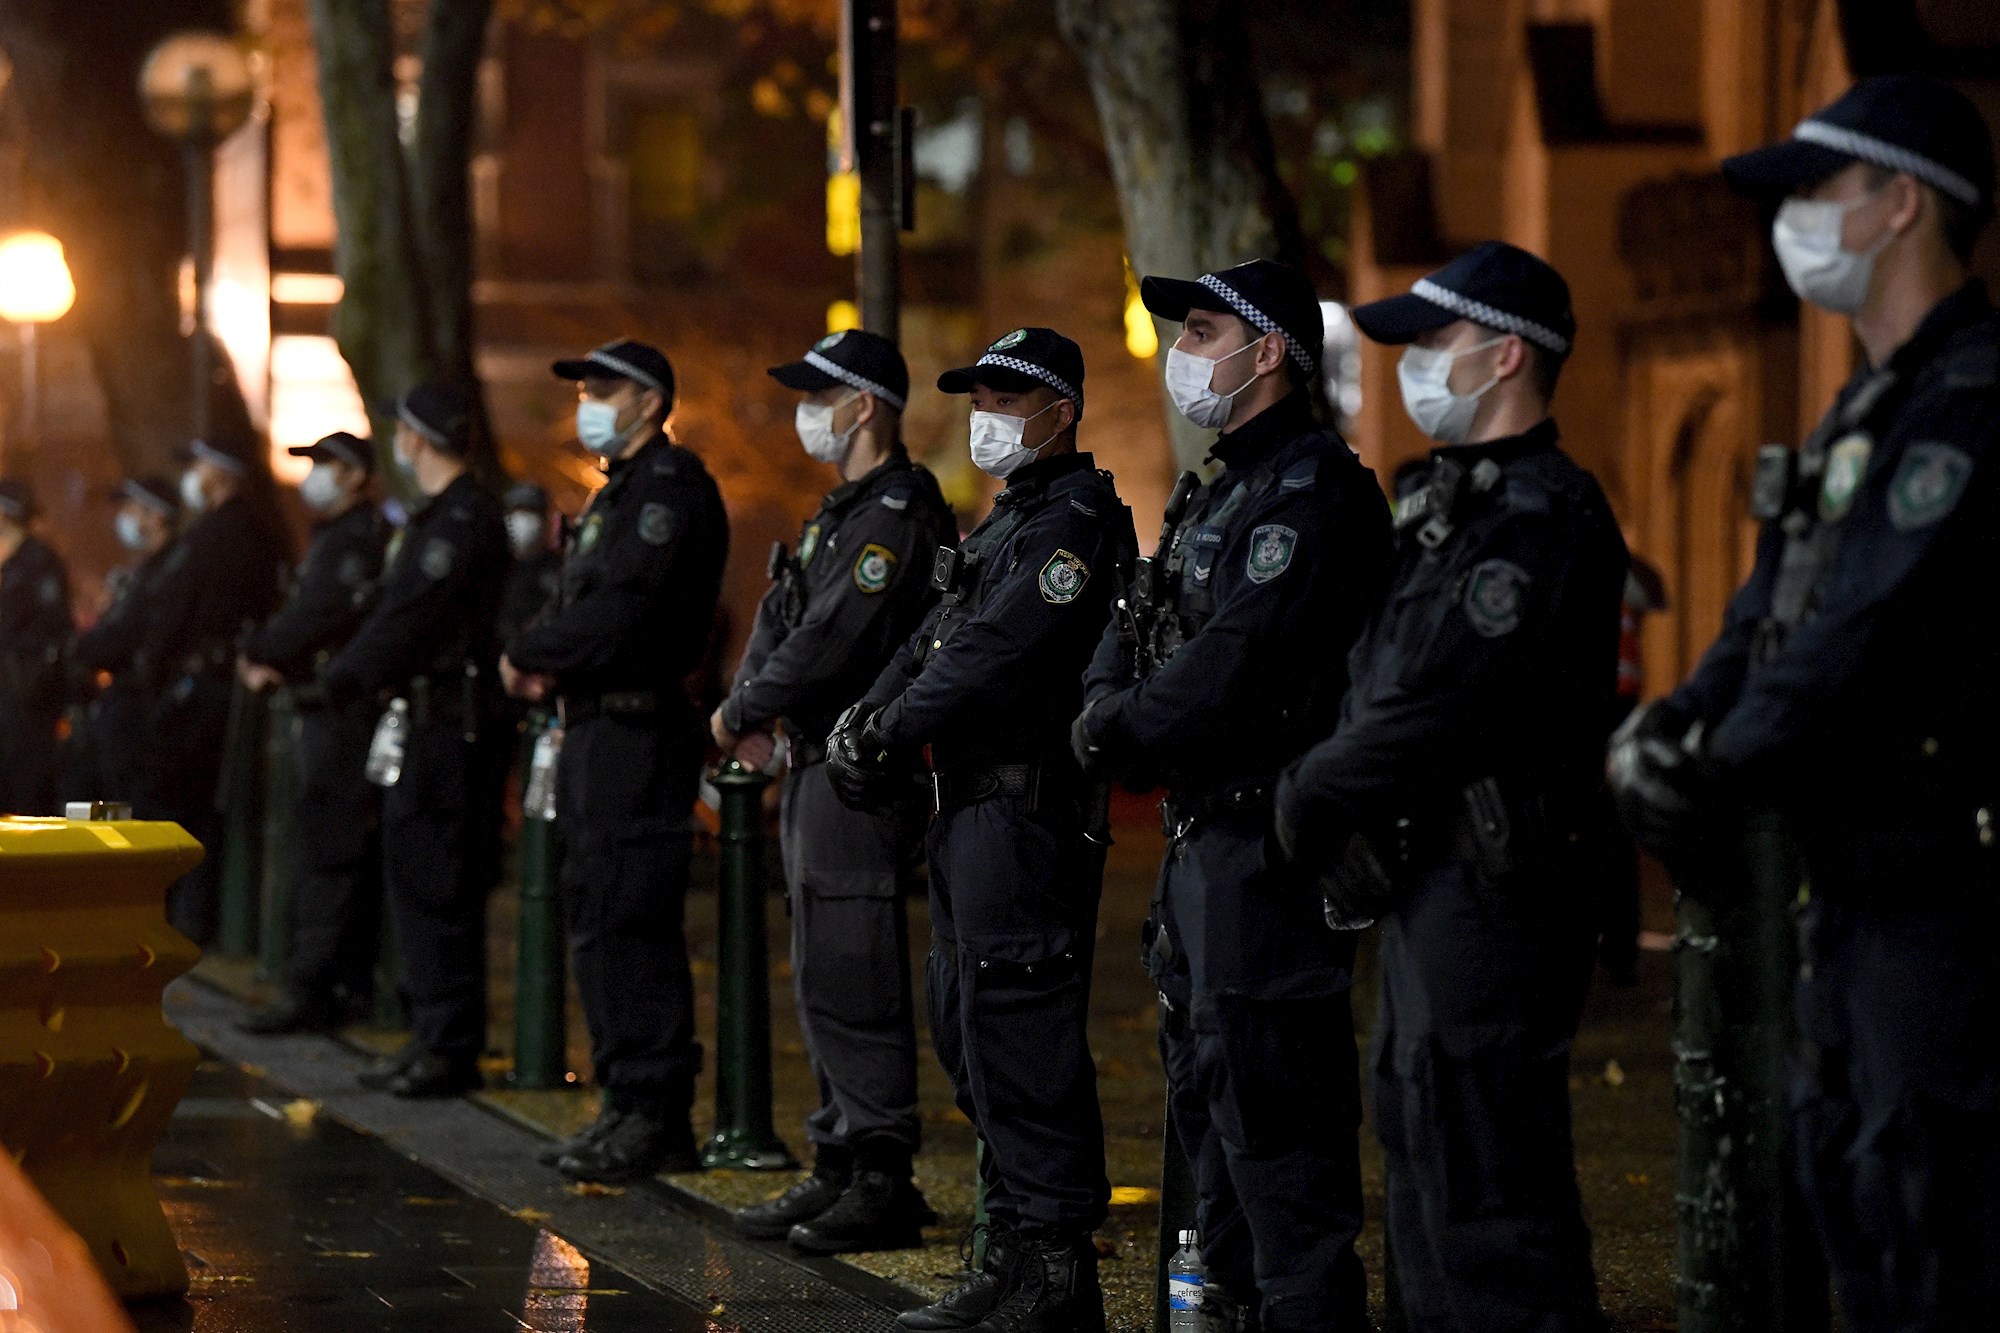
pixel 34 626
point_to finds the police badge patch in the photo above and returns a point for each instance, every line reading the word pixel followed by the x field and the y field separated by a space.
pixel 1014 339
pixel 1271 548
pixel 438 557
pixel 1493 597
pixel 809 545
pixel 873 568
pixel 656 524
pixel 1846 465
pixel 1927 484
pixel 587 538
pixel 1063 578
pixel 828 343
pixel 353 571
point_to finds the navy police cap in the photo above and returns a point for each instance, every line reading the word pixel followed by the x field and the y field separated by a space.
pixel 1270 296
pixel 339 447
pixel 1022 360
pixel 645 365
pixel 1494 284
pixel 155 493
pixel 201 451
pixel 440 413
pixel 855 357
pixel 1903 122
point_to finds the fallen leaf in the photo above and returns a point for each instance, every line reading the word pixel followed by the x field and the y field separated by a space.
pixel 530 1215
pixel 590 1189
pixel 1132 1195
pixel 343 1254
pixel 1614 1073
pixel 1637 1178
pixel 301 1112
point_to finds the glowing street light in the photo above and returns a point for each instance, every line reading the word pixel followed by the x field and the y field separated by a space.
pixel 199 88
pixel 35 289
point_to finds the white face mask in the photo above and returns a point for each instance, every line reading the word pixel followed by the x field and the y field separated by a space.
pixel 814 422
pixel 1425 376
pixel 193 498
pixel 1806 235
pixel 321 488
pixel 1189 385
pixel 996 441
pixel 131 532
pixel 597 427
pixel 524 533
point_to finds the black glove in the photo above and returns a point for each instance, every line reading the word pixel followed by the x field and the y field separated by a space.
pixel 1661 783
pixel 1086 741
pixel 858 762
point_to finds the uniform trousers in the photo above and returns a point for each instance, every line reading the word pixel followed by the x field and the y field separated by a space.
pixel 625 792
pixel 336 857
pixel 1483 981
pixel 846 871
pixel 1013 899
pixel 1895 1105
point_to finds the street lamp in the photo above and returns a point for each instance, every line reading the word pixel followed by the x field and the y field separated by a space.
pixel 35 289
pixel 199 89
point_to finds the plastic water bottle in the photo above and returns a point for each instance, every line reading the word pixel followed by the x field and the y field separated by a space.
pixel 539 802
pixel 387 746
pixel 1185 1279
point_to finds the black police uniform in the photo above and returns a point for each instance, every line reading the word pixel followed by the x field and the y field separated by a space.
pixel 990 683
pixel 34 628
pixel 1469 760
pixel 224 574
pixel 429 642
pixel 336 814
pixel 1268 578
pixel 853 592
pixel 531 585
pixel 639 585
pixel 1851 687
pixel 108 748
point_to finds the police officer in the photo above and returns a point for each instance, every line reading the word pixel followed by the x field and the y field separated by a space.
pixel 850 596
pixel 1852 687
pixel 536 571
pixel 107 751
pixel 34 627
pixel 1230 663
pixel 439 751
pixel 1451 801
pixel 224 573
pixel 336 875
pixel 990 683
pixel 629 623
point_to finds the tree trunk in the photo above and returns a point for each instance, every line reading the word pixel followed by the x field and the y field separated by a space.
pixel 1190 149
pixel 454 42
pixel 113 191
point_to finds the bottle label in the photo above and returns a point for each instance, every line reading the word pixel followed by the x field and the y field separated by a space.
pixel 539 801
pixel 1183 1292
pixel 388 745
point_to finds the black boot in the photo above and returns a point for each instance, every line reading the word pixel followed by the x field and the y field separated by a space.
pixel 432 1076
pixel 881 1210
pixel 386 1069
pixel 982 1289
pixel 641 1144
pixel 1056 1290
pixel 608 1117
pixel 773 1219
pixel 291 1014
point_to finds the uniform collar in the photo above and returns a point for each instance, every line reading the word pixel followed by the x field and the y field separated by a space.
pixel 845 493
pixel 1534 440
pixel 1045 470
pixel 1281 422
pixel 1965 306
pixel 618 465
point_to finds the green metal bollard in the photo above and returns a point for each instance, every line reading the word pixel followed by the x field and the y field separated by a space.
pixel 281 782
pixel 540 978
pixel 744 1137
pixel 239 799
pixel 1748 1261
pixel 1177 1210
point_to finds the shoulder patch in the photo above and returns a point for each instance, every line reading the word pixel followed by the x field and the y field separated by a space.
pixel 1271 548
pixel 588 534
pixel 656 524
pixel 1494 594
pixel 1928 482
pixel 353 570
pixel 1846 465
pixel 809 545
pixel 438 557
pixel 874 568
pixel 1063 577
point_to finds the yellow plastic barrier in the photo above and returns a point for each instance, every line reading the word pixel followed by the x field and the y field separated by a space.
pixel 90 1072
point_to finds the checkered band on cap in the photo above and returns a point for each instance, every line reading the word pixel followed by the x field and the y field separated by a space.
pixel 1307 362
pixel 852 380
pixel 420 426
pixel 133 491
pixel 1885 154
pixel 618 365
pixel 208 453
pixel 1042 373
pixel 1491 316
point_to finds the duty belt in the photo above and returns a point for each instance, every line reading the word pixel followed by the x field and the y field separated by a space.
pixel 613 703
pixel 952 788
pixel 1180 813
